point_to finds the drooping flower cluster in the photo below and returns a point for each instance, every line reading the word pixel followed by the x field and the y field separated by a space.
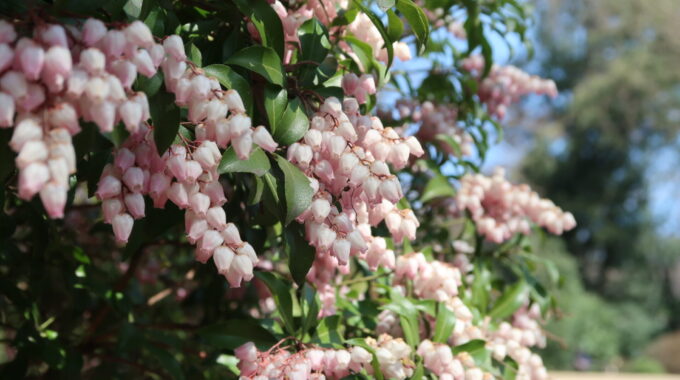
pixel 346 157
pixel 358 87
pixel 325 363
pixel 505 85
pixel 434 121
pixel 438 358
pixel 363 29
pixel 189 179
pixel 515 340
pixel 438 281
pixel 501 209
pixel 55 78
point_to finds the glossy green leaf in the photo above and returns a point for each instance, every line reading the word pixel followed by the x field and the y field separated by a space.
pixel 418 21
pixel 194 55
pixel 311 306
pixel 314 47
pixel 281 293
pixel 257 163
pixel 300 253
pixel 297 190
pixel 328 331
pixel 408 316
pixel 165 119
pixel 261 60
pixel 470 347
pixel 314 42
pixel 437 187
pixel 266 21
pixel 294 124
pixel 362 51
pixel 232 80
pixel 511 300
pixel 481 286
pixel 444 324
pixel 275 103
pixel 395 27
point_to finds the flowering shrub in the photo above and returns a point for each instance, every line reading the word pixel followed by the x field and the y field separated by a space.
pixel 250 134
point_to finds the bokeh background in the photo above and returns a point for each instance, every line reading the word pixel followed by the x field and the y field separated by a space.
pixel 607 150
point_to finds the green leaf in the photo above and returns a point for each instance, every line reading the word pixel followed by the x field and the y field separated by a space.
pixel 511 300
pixel 281 293
pixel 311 305
pixel 232 80
pixel 297 190
pixel 418 21
pixel 328 331
pixel 437 187
pixel 363 52
pixel 232 333
pixel 361 342
pixel 261 60
pixel 444 324
pixel 257 163
pixel 300 253
pixel 452 143
pixel 314 47
pixel 149 86
pixel 395 27
pixel 294 124
pixel 408 316
pixel 165 118
pixel 194 55
pixel 470 347
pixel 275 102
pixel 266 21
pixel 314 42
pixel 481 286
pixel 381 28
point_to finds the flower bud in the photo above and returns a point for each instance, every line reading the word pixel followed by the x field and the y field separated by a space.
pixel 122 227
pixel 234 101
pixel 53 199
pixel 112 207
pixel 134 202
pixel 223 257
pixel 93 31
pixel 174 46
pixel 231 235
pixel 32 151
pixel 262 138
pixel 248 251
pixel 196 229
pixel 217 218
pixel 243 145
pixel 32 179
pixel 341 248
pixel 144 63
pixel 199 203
pixel 54 35
pixel 15 84
pixel 139 34
pixel 134 179
pixel 93 61
pixel 177 193
pixel 32 59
